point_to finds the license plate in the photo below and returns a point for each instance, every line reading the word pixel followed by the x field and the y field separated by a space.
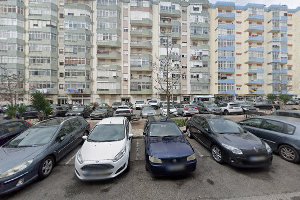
pixel 175 167
pixel 258 158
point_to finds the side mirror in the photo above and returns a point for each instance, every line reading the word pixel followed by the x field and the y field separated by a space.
pixel 85 137
pixel 130 135
pixel 144 133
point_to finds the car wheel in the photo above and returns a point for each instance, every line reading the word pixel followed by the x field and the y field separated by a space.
pixel 226 112
pixel 217 154
pixel 288 153
pixel 46 167
pixel 189 133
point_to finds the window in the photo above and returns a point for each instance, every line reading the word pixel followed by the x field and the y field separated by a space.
pixel 273 126
pixel 290 129
pixel 252 122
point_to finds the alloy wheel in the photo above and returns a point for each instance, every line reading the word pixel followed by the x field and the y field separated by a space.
pixel 288 153
pixel 47 167
pixel 216 154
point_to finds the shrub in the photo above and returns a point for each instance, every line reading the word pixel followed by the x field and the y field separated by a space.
pixel 180 122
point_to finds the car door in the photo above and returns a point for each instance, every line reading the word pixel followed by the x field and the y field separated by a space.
pixel 77 132
pixel 63 140
pixel 193 125
pixel 205 133
pixel 252 125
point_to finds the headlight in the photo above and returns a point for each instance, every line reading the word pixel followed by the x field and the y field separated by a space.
pixel 155 160
pixel 79 157
pixel 269 150
pixel 120 155
pixel 191 157
pixel 233 149
pixel 16 169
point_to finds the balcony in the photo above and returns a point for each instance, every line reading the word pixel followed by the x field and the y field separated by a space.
pixel 256 49
pixel 46 91
pixel 227 70
pixel 226 37
pixel 255 60
pixel 170 13
pixel 231 59
pixel 256 82
pixel 258 39
pixel 228 92
pixel 226 26
pixel 78 91
pixel 278 29
pixel 226 16
pixel 109 55
pixel 141 44
pixel 109 43
pixel 108 91
pixel 142 91
pixel 257 92
pixel 281 61
pixel 142 22
pixel 199 36
pixel 255 18
pixel 280 71
pixel 228 81
pixel 256 71
pixel 141 32
pixel 255 28
pixel 109 67
pixel 281 82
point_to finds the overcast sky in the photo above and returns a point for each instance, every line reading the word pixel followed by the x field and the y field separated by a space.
pixel 290 3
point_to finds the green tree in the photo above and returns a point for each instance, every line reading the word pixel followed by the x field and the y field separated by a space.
pixel 11 111
pixel 21 109
pixel 41 104
pixel 271 97
pixel 284 98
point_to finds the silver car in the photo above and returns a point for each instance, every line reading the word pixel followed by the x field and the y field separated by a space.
pixel 147 111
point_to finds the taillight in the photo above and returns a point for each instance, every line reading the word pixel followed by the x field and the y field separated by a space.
pixel 196 108
pixel 186 108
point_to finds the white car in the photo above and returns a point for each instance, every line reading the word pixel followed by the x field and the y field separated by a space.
pixel 173 110
pixel 139 105
pixel 231 108
pixel 105 152
pixel 154 103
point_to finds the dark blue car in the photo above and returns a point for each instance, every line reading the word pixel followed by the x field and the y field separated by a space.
pixel 167 151
pixel 33 153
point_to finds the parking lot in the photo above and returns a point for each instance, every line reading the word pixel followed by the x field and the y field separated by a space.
pixel 210 180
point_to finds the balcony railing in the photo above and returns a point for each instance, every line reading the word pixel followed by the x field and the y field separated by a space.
pixel 226 70
pixel 141 44
pixel 257 92
pixel 141 32
pixel 259 39
pixel 108 91
pixel 199 36
pixel 255 71
pixel 256 82
pixel 142 22
pixel 255 28
pixel 258 18
pixel 109 43
pixel 229 92
pixel 170 13
pixel 109 54
pixel 255 60
pixel 228 81
pixel 226 16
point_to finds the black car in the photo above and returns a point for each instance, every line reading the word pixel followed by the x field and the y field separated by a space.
pixel 30 113
pixel 281 133
pixel 102 112
pixel 229 142
pixel 83 111
pixel 288 113
pixel 58 111
pixel 11 128
pixel 34 153
pixel 266 105
pixel 115 105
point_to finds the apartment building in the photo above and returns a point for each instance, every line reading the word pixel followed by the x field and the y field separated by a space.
pixel 111 50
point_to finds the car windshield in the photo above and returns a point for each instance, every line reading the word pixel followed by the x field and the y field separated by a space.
pixel 221 126
pixel 77 109
pixel 107 133
pixel 164 129
pixel 139 102
pixel 33 137
pixel 148 109
pixel 101 109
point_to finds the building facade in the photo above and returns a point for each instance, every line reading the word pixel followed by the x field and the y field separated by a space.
pixel 84 51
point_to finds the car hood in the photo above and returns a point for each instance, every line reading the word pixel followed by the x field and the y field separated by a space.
pixel 171 147
pixel 12 157
pixel 244 141
pixel 95 151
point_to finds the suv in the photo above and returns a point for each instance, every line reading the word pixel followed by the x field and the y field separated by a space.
pixel 11 128
pixel 231 108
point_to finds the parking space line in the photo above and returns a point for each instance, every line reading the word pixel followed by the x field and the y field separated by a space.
pixel 71 159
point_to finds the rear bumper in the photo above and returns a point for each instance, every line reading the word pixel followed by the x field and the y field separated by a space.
pixel 163 169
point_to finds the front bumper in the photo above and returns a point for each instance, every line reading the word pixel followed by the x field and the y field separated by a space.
pixel 246 162
pixel 101 174
pixel 17 181
pixel 164 169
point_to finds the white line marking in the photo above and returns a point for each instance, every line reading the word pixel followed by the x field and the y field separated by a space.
pixel 70 159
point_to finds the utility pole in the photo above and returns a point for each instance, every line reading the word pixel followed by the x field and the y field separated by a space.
pixel 168 93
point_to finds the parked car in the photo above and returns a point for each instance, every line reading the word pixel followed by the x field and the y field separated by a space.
pixel 79 111
pixel 292 102
pixel 179 107
pixel 105 152
pixel 281 133
pixel 30 113
pixel 147 111
pixel 210 108
pixel 288 113
pixel 154 103
pixel 129 104
pixel 231 108
pixel 34 153
pixel 188 110
pixel 102 112
pixel 139 105
pixel 173 110
pixel 58 111
pixel 11 128
pixel 248 108
pixel 167 152
pixel 228 142
pixel 115 105
pixel 266 105
pixel 124 111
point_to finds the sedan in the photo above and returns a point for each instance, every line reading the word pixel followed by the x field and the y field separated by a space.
pixel 105 153
pixel 102 112
pixel 173 110
pixel 79 111
pixel 281 133
pixel 229 142
pixel 34 153
pixel 167 152
pixel 147 111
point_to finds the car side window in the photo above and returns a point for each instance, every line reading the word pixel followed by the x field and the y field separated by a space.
pixel 66 129
pixel 252 122
pixel 290 129
pixel 273 126
pixel 205 125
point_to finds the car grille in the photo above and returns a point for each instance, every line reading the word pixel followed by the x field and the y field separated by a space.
pixel 254 152
pixel 174 160
pixel 97 167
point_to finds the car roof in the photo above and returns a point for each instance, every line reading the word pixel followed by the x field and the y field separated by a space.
pixel 57 121
pixel 290 120
pixel 112 120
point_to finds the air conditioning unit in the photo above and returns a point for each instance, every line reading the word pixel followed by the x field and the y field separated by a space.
pixel 114 74
pixel 125 79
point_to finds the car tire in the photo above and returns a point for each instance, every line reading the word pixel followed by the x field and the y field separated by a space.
pixel 46 167
pixel 217 154
pixel 288 153
pixel 189 133
pixel 226 112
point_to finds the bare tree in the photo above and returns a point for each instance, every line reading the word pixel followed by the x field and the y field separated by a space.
pixel 168 73
pixel 11 85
